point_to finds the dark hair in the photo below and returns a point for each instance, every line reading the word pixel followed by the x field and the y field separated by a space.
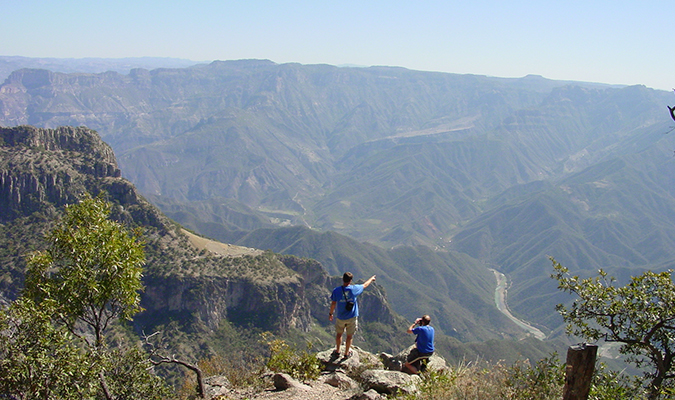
pixel 426 320
pixel 347 277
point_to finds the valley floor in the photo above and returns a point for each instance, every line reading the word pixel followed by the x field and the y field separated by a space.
pixel 500 302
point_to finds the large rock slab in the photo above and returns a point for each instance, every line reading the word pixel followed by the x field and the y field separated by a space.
pixel 390 382
pixel 358 359
pixel 340 380
pixel 215 386
pixel 285 382
pixel 369 395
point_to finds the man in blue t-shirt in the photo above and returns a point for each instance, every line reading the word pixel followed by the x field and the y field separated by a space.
pixel 343 299
pixel 424 344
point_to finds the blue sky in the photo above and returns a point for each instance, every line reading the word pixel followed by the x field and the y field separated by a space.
pixel 619 42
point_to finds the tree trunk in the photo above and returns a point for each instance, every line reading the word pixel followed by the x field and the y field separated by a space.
pixel 579 371
pixel 104 386
pixel 200 378
pixel 655 387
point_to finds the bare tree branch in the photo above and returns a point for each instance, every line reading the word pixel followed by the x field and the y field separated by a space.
pixel 157 359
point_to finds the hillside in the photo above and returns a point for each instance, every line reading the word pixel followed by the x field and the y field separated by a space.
pixel 382 154
pixel 387 155
pixel 489 172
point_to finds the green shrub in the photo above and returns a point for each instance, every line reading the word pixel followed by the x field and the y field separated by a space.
pixel 302 365
pixel 544 380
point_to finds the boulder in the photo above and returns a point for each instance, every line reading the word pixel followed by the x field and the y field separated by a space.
pixel 369 395
pixel 334 362
pixel 215 386
pixel 340 380
pixel 390 382
pixel 369 360
pixel 284 382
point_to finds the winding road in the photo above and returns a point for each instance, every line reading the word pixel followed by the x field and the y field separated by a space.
pixel 500 302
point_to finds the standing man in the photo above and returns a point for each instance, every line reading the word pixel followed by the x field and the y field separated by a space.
pixel 424 344
pixel 344 299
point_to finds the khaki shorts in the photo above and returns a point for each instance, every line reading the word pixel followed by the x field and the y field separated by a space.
pixel 350 324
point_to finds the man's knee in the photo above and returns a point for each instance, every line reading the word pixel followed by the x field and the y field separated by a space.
pixel 414 353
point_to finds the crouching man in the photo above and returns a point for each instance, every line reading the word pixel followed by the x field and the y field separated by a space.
pixel 424 345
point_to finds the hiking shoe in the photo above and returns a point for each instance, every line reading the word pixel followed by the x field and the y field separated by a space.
pixel 347 355
pixel 335 353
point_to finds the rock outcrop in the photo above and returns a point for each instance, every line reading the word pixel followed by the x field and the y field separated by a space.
pixel 276 306
pixel 41 167
pixel 360 377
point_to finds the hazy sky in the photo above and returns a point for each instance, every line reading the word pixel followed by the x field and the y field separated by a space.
pixel 622 42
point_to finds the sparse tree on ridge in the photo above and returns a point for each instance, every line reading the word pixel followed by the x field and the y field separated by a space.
pixel 88 277
pixel 91 271
pixel 39 360
pixel 639 315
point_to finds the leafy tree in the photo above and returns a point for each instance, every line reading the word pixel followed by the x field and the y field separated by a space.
pixel 611 385
pixel 91 271
pixel 89 276
pixel 39 359
pixel 640 315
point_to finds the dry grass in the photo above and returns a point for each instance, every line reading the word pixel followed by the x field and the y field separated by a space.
pixel 221 249
pixel 242 374
pixel 481 380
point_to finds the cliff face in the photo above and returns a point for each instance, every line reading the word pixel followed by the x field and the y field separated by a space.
pixel 276 306
pixel 40 167
pixel 80 140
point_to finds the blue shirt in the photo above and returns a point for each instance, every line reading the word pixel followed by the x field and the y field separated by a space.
pixel 350 293
pixel 425 338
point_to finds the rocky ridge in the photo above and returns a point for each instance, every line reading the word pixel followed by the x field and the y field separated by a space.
pixel 31 173
pixel 363 376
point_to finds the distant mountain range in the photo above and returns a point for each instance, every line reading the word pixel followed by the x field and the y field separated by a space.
pixel 486 172
pixel 90 65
